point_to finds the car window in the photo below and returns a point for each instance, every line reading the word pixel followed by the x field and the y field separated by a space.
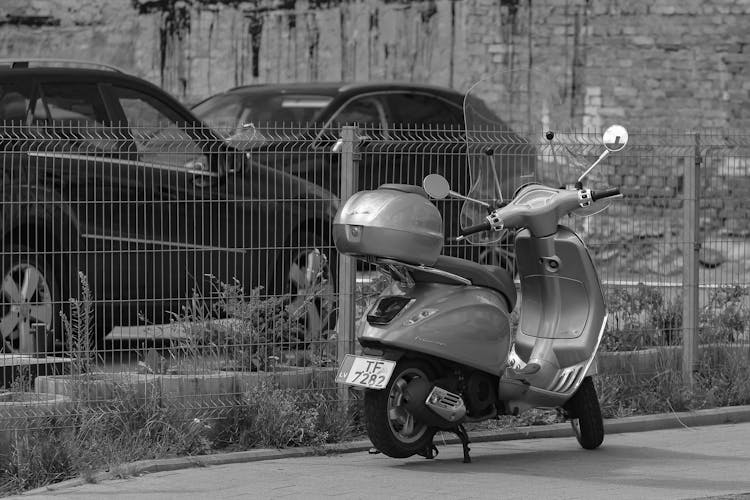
pixel 363 112
pixel 157 134
pixel 411 109
pixel 69 104
pixel 222 112
pixel 301 109
pixel 73 111
pixel 366 112
pixel 227 111
pixel 14 104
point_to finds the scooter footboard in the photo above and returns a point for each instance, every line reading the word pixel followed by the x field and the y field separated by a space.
pixel 519 397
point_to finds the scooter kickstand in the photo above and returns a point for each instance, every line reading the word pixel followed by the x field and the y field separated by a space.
pixel 460 431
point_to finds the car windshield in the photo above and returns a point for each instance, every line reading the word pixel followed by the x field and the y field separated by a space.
pixel 226 112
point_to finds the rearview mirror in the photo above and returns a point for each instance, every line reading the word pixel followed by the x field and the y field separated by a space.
pixel 615 138
pixel 436 186
pixel 246 137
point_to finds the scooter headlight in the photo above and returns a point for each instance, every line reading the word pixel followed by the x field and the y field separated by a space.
pixel 387 308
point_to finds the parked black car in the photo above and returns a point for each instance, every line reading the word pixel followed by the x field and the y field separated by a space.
pixel 106 174
pixel 396 117
pixel 411 130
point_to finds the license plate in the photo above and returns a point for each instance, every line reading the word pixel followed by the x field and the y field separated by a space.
pixel 364 371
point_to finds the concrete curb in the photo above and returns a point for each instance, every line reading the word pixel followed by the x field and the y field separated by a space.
pixel 641 423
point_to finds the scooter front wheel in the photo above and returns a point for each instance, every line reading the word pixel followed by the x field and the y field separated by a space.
pixel 392 428
pixel 586 415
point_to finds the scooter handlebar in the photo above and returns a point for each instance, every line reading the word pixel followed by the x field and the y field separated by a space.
pixel 476 228
pixel 541 220
pixel 605 193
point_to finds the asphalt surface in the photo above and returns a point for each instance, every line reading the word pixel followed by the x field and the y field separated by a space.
pixel 684 457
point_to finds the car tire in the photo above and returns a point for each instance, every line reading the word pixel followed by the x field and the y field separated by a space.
pixel 31 294
pixel 307 273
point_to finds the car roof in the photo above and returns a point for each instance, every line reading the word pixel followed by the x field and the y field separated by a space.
pixel 70 72
pixel 334 89
pixel 85 71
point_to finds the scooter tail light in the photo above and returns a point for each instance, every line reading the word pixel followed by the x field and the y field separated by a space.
pixel 386 309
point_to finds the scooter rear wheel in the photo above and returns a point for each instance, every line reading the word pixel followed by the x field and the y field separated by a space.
pixel 586 415
pixel 392 429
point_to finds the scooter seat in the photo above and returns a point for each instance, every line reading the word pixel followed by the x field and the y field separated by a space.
pixel 405 188
pixel 492 277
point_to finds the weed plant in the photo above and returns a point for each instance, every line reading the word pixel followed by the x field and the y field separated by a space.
pixel 643 317
pixel 726 316
pixel 79 330
pixel 722 378
pixel 133 427
pixel 274 417
pixel 247 331
pixel 23 381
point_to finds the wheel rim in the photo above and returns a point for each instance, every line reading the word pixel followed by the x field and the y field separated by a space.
pixel 313 293
pixel 26 300
pixel 575 423
pixel 403 425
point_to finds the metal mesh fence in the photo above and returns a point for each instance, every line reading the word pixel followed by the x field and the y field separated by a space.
pixel 187 267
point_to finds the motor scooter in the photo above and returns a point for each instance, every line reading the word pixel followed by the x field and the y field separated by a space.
pixel 438 347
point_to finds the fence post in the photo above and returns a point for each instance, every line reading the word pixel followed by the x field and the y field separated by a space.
pixel 349 166
pixel 690 254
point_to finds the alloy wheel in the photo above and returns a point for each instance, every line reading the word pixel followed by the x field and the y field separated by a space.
pixel 313 293
pixel 401 421
pixel 26 300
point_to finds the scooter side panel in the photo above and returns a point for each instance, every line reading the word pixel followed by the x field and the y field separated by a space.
pixel 575 320
pixel 466 324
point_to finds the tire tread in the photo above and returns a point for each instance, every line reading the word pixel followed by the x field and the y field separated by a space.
pixel 584 405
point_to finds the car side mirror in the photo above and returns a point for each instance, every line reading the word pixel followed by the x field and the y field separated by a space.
pixel 246 137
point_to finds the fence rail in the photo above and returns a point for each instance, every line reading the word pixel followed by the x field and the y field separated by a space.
pixel 172 264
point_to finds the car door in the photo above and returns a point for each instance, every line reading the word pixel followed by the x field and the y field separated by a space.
pixel 194 214
pixel 85 159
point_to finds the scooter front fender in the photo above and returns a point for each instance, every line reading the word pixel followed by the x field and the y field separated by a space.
pixel 466 324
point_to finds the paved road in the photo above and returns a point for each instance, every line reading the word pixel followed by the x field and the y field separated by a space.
pixel 677 463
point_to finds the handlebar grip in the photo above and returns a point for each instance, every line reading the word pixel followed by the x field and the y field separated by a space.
pixel 476 228
pixel 605 193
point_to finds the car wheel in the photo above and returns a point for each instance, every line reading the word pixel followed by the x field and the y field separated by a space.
pixel 30 296
pixel 308 270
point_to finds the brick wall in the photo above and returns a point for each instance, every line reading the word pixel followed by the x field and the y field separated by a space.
pixel 668 61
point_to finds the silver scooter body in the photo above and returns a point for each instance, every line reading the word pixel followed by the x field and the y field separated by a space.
pixel 465 324
pixel 561 322
pixel 441 346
